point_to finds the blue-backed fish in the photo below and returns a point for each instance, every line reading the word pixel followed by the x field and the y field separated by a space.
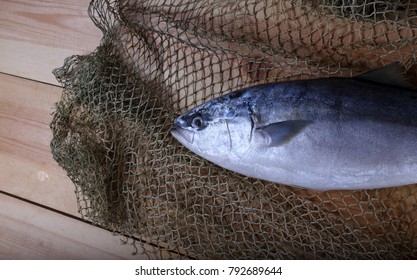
pixel 322 134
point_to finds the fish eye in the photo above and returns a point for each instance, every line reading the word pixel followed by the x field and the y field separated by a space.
pixel 197 122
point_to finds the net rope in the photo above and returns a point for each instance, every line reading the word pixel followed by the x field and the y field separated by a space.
pixel 160 58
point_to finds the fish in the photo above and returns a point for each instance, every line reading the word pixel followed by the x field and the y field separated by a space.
pixel 323 134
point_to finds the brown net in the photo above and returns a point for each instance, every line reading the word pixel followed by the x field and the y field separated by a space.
pixel 158 59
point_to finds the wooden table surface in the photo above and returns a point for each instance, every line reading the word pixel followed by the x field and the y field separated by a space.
pixel 38 209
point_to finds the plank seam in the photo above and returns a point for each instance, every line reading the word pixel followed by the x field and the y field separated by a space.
pixel 89 223
pixel 29 79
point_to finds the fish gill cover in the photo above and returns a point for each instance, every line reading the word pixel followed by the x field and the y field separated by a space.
pixel 160 58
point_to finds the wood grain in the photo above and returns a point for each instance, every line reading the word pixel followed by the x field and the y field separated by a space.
pixel 36 36
pixel 31 232
pixel 27 168
pixel 38 209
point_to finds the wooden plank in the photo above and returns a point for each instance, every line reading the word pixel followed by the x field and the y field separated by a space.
pixel 36 36
pixel 31 232
pixel 27 168
pixel 31 61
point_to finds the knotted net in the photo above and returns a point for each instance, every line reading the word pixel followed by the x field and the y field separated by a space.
pixel 160 58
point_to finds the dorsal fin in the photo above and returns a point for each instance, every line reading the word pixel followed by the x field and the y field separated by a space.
pixel 391 74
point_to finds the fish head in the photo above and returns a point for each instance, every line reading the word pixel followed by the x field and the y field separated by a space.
pixel 215 128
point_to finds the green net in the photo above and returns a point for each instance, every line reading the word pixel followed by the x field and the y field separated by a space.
pixel 157 60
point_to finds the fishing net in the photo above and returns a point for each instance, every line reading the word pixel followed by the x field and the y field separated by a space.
pixel 160 58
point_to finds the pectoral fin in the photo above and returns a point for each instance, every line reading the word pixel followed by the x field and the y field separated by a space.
pixel 279 133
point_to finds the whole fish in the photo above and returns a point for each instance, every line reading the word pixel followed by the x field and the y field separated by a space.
pixel 323 134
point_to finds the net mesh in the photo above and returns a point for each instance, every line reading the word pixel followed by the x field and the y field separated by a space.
pixel 160 58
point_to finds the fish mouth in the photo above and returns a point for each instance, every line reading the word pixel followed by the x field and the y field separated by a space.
pixel 182 135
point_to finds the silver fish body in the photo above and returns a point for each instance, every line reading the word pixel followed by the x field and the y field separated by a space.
pixel 333 133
